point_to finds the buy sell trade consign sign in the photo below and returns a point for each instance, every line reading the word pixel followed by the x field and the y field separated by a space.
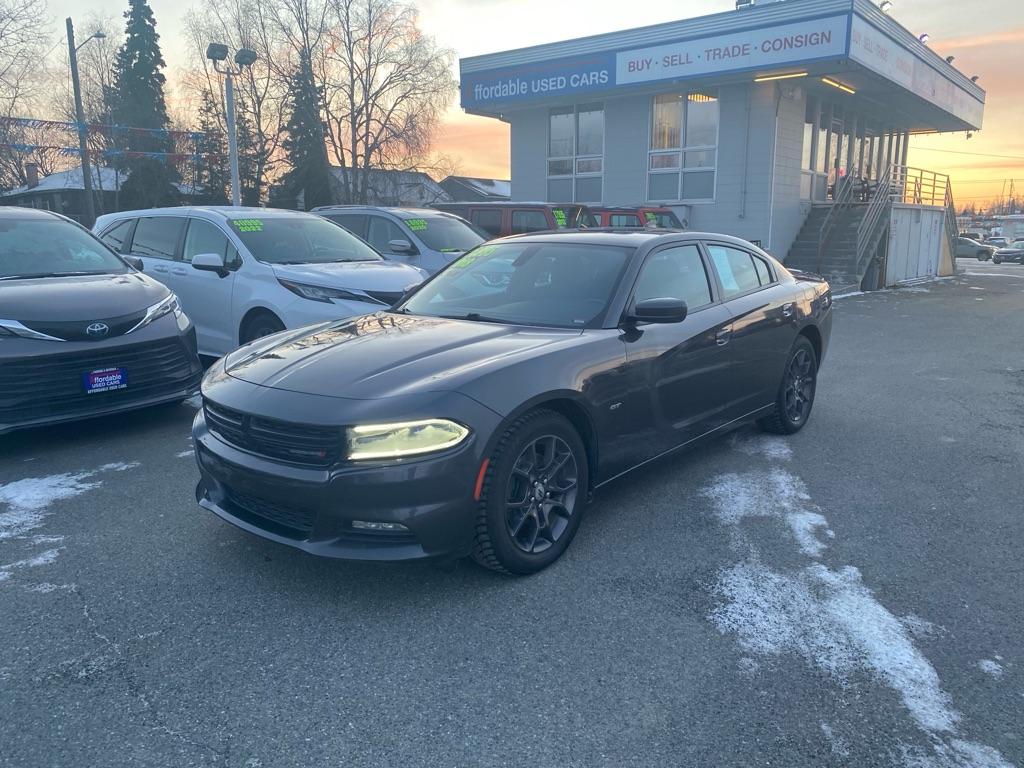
pixel 781 44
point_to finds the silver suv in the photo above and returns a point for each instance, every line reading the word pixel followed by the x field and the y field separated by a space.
pixel 422 237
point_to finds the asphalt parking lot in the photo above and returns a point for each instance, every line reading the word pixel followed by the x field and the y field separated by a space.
pixel 850 596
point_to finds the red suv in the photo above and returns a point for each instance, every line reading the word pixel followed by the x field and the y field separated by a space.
pixel 636 216
pixel 501 219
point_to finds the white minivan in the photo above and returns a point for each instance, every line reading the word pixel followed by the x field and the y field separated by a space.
pixel 243 273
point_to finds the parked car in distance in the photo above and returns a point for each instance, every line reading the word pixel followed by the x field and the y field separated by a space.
pixel 470 419
pixel 82 333
pixel 635 216
pixel 1012 252
pixel 499 219
pixel 998 241
pixel 243 273
pixel 422 237
pixel 966 248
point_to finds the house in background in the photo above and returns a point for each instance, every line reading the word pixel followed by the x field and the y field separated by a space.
pixel 467 189
pixel 64 192
pixel 397 188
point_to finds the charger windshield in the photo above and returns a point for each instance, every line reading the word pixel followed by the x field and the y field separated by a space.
pixel 300 240
pixel 564 285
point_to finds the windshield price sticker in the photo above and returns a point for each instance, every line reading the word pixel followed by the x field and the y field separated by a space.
pixel 651 215
pixel 559 215
pixel 416 225
pixel 469 258
pixel 248 225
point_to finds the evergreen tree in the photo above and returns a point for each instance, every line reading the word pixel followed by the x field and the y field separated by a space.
pixel 138 93
pixel 212 167
pixel 304 146
pixel 248 155
pixel 137 100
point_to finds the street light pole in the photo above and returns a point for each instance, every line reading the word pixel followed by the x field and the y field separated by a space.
pixel 83 150
pixel 218 54
pixel 229 95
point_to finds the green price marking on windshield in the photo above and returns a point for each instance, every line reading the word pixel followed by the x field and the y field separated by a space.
pixel 469 258
pixel 559 215
pixel 248 225
pixel 416 225
pixel 651 216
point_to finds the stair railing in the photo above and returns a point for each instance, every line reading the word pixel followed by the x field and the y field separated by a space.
pixel 877 214
pixel 952 230
pixel 841 200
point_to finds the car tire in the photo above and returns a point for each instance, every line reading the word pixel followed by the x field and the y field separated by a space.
pixel 259 325
pixel 527 514
pixel 996 260
pixel 796 391
pixel 981 256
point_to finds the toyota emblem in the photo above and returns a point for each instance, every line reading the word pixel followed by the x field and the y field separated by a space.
pixel 97 330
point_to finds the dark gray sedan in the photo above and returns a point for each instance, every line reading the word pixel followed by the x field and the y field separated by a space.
pixel 1013 252
pixel 82 333
pixel 478 415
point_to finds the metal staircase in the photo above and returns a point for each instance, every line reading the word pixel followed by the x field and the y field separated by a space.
pixel 839 240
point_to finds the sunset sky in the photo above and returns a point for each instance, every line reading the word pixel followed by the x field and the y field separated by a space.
pixel 986 36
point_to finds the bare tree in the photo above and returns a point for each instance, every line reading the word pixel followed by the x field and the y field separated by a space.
pixel 386 85
pixel 24 36
pixel 261 89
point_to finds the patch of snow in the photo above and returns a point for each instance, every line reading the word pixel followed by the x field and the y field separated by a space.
pixel 828 617
pixel 185 454
pixel 748 666
pixel 4 575
pixel 834 623
pixel 805 526
pixel 957 753
pixel 196 401
pixel 836 743
pixel 119 466
pixel 975 288
pixel 46 587
pixel 771 447
pixel 993 274
pixel 990 667
pixel 26 499
pixel 775 493
pixel 848 295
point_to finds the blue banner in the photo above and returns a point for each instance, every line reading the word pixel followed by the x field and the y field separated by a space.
pixel 535 81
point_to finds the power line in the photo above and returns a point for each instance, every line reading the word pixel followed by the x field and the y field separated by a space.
pixel 961 152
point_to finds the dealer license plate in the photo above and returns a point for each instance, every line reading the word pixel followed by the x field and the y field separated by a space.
pixel 105 380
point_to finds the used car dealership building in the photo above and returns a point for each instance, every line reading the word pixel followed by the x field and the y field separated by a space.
pixel 754 122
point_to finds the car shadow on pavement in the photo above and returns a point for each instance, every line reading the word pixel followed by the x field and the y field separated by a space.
pixel 77 434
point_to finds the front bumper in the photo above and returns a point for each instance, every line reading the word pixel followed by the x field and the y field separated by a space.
pixel 312 508
pixel 41 381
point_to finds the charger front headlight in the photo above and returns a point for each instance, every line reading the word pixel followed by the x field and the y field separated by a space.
pixel 404 438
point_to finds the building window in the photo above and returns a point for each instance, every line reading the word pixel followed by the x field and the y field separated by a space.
pixel 576 154
pixel 684 147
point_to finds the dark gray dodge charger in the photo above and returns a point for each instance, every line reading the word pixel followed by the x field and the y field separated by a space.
pixel 480 413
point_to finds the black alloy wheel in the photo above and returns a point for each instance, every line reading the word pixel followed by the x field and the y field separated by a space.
pixel 260 325
pixel 533 495
pixel 541 494
pixel 796 391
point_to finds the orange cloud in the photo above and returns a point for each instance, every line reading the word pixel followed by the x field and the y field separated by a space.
pixel 479 144
pixel 1008 37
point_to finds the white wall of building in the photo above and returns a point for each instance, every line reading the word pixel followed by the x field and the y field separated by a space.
pixel 757 193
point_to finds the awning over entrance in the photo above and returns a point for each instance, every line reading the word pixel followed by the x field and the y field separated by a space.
pixel 848 47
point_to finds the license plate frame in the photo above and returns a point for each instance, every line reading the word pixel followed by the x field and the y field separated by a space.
pixel 110 379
